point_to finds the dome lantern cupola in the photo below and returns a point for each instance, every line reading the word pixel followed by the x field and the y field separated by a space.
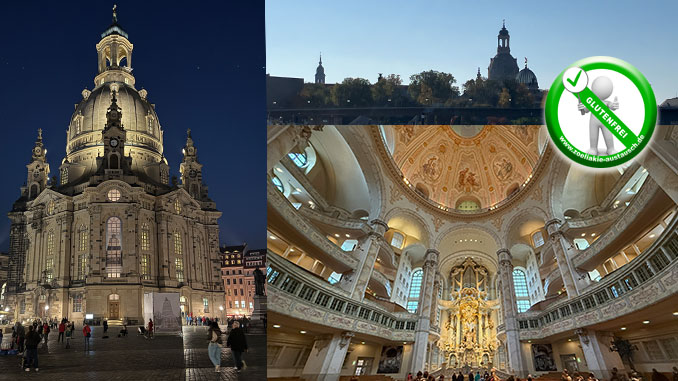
pixel 320 71
pixel 503 39
pixel 114 53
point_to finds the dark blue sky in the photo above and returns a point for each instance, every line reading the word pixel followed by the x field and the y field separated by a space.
pixel 202 64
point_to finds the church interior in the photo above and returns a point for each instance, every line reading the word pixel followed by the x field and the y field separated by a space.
pixel 399 249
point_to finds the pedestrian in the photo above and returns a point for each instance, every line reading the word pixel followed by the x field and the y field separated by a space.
pixel 149 331
pixel 32 341
pixel 238 344
pixel 45 331
pixel 105 327
pixel 62 329
pixel 215 345
pixel 87 333
pixel 69 332
pixel 20 336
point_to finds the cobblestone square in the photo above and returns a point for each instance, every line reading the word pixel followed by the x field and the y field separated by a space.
pixel 166 357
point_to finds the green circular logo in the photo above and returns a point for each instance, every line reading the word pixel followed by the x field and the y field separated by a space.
pixel 600 96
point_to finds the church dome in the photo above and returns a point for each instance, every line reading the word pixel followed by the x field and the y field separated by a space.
pixel 527 78
pixel 467 168
pixel 138 118
pixel 502 67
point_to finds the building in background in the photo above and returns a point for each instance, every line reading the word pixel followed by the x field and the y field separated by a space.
pixel 238 281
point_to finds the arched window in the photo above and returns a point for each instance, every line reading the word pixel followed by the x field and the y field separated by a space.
pixel 50 207
pixel 178 260
pixel 145 237
pixel 113 195
pixel 278 184
pixel 537 239
pixel 300 159
pixel 49 262
pixel 522 294
pixel 82 238
pixel 397 240
pixel 113 247
pixel 177 206
pixel 415 291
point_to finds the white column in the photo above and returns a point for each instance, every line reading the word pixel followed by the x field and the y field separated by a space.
pixel 599 359
pixel 516 362
pixel 424 311
pixel 327 357
pixel 367 250
pixel 560 250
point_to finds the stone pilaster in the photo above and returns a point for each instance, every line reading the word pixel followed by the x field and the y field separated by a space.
pixel 599 359
pixel 327 356
pixel 516 362
pixel 419 348
pixel 662 168
pixel 366 252
pixel 560 251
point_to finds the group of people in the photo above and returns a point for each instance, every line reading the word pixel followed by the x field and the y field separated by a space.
pixel 615 376
pixel 198 320
pixel 236 340
pixel 28 339
pixel 425 376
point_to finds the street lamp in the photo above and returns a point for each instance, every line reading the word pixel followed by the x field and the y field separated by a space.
pixel 221 308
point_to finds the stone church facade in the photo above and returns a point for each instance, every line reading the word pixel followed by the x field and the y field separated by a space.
pixel 113 226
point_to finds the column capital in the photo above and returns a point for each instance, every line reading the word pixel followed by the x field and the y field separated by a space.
pixel 345 338
pixel 553 225
pixel 432 255
pixel 379 226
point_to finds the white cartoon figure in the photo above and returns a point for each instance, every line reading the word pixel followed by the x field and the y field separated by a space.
pixel 602 87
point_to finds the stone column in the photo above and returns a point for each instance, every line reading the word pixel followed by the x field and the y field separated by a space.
pixel 662 169
pixel 559 245
pixel 327 357
pixel 516 362
pixel 599 359
pixel 281 140
pixel 367 250
pixel 424 311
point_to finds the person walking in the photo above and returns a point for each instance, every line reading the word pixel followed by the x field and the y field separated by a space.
pixel 62 329
pixel 45 331
pixel 105 327
pixel 87 333
pixel 149 330
pixel 32 341
pixel 215 345
pixel 20 337
pixel 69 333
pixel 238 344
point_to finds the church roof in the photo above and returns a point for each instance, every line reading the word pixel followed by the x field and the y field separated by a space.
pixel 527 77
pixel 670 103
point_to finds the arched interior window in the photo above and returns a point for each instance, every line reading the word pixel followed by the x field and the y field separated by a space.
pixel 415 291
pixel 113 247
pixel 537 239
pixel 397 240
pixel 278 184
pixel 300 159
pixel 522 294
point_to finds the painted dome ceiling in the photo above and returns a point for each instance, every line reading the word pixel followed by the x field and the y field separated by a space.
pixel 465 167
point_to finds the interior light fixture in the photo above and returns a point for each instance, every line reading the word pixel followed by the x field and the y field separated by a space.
pixel 276 325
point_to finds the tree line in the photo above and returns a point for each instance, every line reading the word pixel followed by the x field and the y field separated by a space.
pixel 428 88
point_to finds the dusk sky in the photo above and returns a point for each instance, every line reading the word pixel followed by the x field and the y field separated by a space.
pixel 363 38
pixel 203 67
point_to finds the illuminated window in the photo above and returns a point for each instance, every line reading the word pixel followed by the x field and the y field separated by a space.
pixel 150 125
pixel 82 238
pixel 50 243
pixel 206 304
pixel 397 240
pixel 349 245
pixel 177 206
pixel 299 159
pixel 64 176
pixel 82 266
pixel 237 304
pixel 178 249
pixel 179 265
pixel 145 237
pixel 164 176
pixel 581 243
pixel 334 278
pixel 50 207
pixel 522 294
pixel 145 267
pixel 113 195
pixel 278 184
pixel 415 291
pixel 113 247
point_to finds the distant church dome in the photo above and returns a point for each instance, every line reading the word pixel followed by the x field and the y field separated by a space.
pixel 527 78
pixel 503 66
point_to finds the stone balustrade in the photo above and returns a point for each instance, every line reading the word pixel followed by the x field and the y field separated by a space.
pixel 295 292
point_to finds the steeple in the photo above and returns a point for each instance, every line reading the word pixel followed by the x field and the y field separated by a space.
pixel 320 71
pixel 478 76
pixel 37 170
pixel 114 55
pixel 191 170
pixel 503 39
pixel 114 137
pixel 525 62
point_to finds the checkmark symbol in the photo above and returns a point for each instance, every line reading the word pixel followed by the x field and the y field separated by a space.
pixel 576 79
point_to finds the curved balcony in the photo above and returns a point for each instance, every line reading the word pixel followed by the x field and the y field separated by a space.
pixel 283 218
pixel 644 207
pixel 648 279
pixel 380 284
pixel 294 292
pixel 332 221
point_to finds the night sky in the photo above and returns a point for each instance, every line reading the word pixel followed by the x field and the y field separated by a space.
pixel 203 67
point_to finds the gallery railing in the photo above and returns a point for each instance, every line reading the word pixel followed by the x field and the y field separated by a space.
pixel 650 277
pixel 296 292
